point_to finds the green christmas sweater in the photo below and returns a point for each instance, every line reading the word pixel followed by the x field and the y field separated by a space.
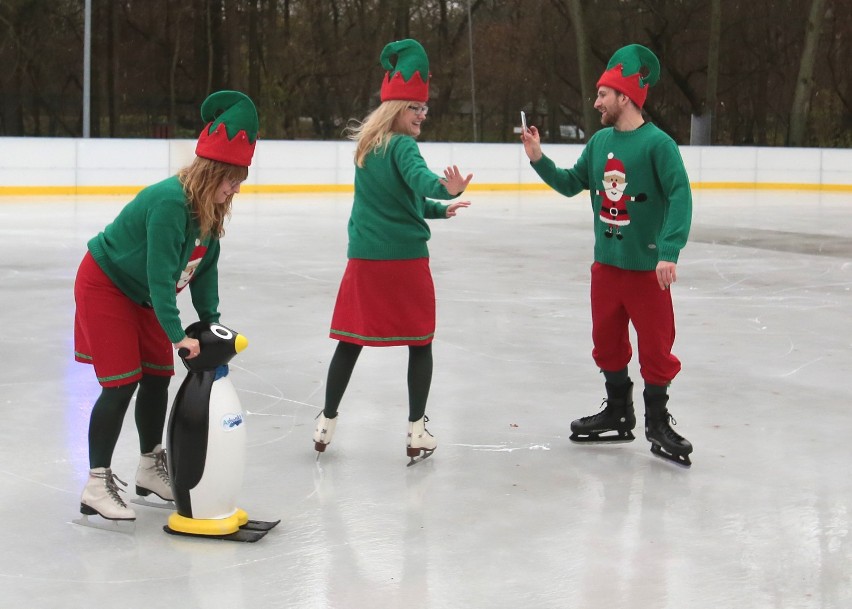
pixel 153 249
pixel 388 219
pixel 639 191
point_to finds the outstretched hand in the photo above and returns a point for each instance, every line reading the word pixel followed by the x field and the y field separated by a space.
pixel 453 180
pixel 454 207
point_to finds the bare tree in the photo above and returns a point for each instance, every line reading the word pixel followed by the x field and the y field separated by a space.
pixel 805 80
pixel 587 91
pixel 312 64
pixel 701 133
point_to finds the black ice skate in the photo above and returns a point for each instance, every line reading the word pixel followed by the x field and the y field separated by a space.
pixel 613 424
pixel 666 443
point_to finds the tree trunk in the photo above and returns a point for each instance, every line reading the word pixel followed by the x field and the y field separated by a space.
pixel 232 36
pixel 255 52
pixel 173 68
pixel 402 19
pixel 112 67
pixel 701 133
pixel 805 81
pixel 587 92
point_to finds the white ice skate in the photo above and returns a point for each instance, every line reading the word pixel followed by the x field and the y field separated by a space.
pixel 152 476
pixel 100 498
pixel 324 432
pixel 421 444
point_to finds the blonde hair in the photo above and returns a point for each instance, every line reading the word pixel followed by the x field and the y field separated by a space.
pixel 376 130
pixel 201 181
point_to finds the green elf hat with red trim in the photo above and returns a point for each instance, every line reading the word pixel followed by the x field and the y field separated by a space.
pixel 408 79
pixel 231 132
pixel 632 70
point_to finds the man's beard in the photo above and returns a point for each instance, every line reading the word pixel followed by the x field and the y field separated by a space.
pixel 609 118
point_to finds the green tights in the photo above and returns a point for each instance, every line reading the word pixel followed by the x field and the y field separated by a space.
pixel 108 416
pixel 343 363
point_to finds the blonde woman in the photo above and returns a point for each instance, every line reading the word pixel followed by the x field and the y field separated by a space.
pixel 127 321
pixel 386 296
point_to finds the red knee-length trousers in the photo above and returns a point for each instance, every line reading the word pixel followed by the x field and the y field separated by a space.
pixel 620 297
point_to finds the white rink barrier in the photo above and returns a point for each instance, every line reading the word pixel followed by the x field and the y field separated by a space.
pixel 69 166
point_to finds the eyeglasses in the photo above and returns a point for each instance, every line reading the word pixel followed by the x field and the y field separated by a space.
pixel 234 183
pixel 424 109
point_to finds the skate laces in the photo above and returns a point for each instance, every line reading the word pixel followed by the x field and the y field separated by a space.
pixel 112 488
pixel 671 434
pixel 598 415
pixel 161 466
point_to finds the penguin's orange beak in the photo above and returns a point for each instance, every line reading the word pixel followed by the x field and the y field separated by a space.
pixel 241 343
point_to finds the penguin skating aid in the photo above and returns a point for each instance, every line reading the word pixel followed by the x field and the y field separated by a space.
pixel 206 443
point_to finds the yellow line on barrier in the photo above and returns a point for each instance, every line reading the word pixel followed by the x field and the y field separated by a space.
pixel 770 186
pixel 24 191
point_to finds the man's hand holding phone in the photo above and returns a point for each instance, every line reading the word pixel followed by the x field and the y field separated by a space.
pixel 530 139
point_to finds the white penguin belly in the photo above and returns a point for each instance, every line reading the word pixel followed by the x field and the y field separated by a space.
pixel 215 495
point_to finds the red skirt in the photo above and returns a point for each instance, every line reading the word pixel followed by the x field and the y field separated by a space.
pixel 385 303
pixel 122 339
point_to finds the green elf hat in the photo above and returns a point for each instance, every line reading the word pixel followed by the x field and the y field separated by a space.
pixel 409 79
pixel 632 70
pixel 231 132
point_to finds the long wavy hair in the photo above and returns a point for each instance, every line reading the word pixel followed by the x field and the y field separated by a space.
pixel 376 130
pixel 201 181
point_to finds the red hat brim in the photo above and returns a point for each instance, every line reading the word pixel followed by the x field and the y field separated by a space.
pixel 630 85
pixel 217 146
pixel 395 87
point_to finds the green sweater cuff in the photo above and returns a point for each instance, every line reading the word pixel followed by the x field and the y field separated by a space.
pixel 669 255
pixel 174 331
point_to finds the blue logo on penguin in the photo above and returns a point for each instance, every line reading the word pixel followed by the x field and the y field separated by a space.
pixel 231 421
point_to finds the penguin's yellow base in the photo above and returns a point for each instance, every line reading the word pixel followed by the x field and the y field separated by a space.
pixel 236 527
pixel 208 527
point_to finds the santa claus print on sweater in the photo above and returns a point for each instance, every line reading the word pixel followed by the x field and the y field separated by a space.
pixel 191 266
pixel 614 205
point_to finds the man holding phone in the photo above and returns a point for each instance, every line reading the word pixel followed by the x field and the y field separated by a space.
pixel 631 278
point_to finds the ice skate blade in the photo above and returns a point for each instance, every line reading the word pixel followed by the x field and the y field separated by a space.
pixel 260 525
pixel 679 460
pixel 163 505
pixel 424 455
pixel 597 438
pixel 128 527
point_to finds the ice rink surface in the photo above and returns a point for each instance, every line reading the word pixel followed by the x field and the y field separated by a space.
pixel 507 513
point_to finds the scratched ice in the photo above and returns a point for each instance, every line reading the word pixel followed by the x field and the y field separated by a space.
pixel 507 513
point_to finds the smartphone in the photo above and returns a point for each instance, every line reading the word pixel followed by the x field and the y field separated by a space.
pixel 524 121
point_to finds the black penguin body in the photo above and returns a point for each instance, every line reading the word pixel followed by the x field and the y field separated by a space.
pixel 206 432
